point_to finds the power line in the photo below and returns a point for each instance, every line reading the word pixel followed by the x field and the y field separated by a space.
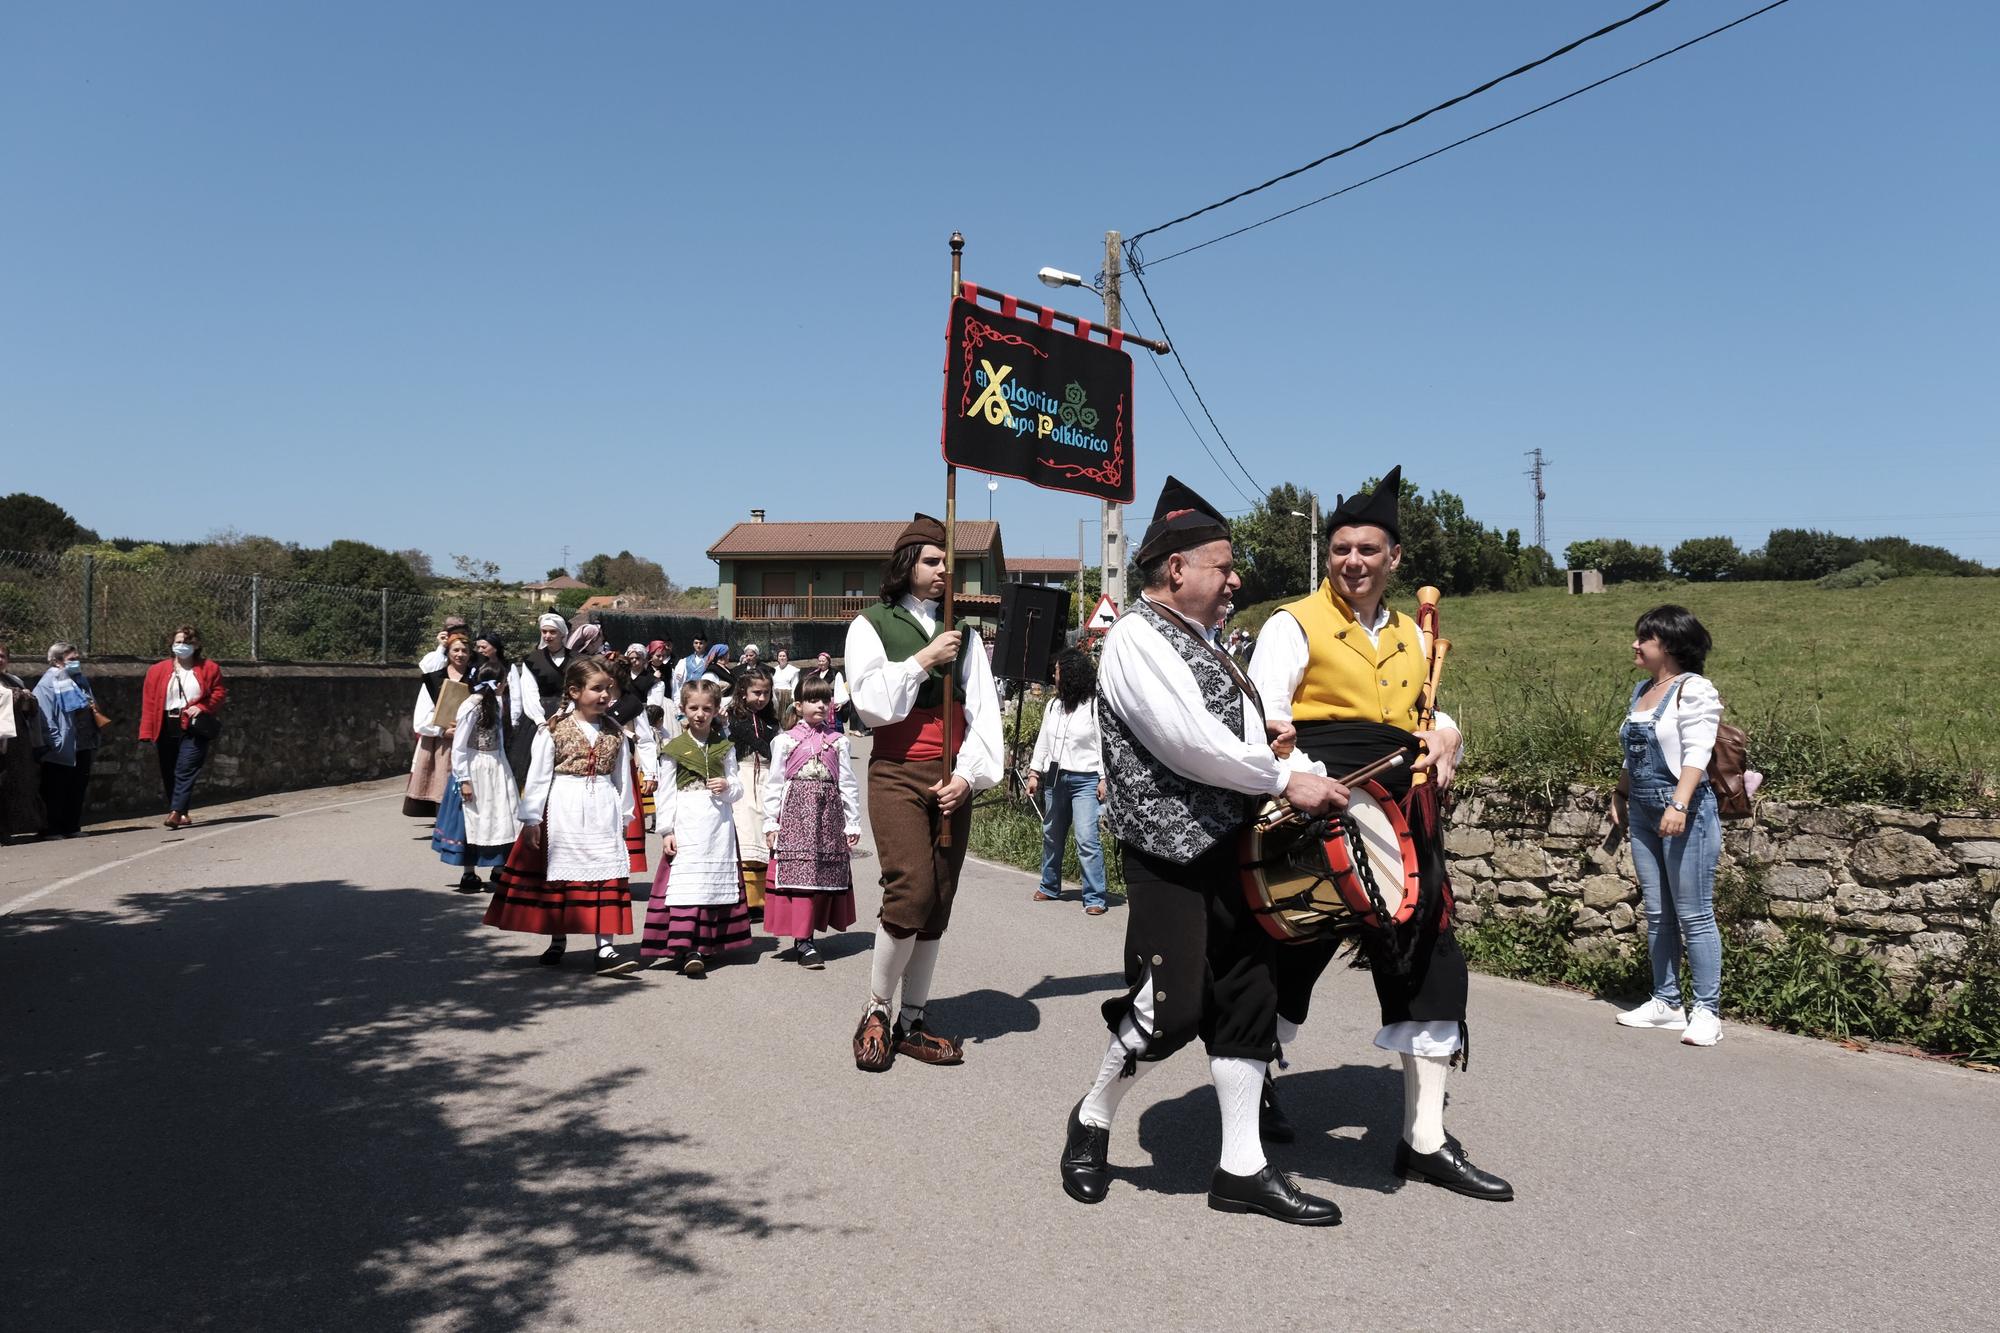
pixel 1383 133
pixel 1175 351
pixel 1436 152
pixel 1195 430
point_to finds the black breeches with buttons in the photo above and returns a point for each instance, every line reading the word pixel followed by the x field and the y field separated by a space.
pixel 1192 939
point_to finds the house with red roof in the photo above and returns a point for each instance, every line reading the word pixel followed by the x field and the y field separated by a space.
pixel 831 570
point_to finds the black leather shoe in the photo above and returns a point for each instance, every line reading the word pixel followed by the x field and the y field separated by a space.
pixel 1272 1123
pixel 1448 1167
pixel 1271 1193
pixel 1086 1166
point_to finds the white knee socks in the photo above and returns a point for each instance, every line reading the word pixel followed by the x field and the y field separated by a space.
pixel 1100 1104
pixel 1423 1101
pixel 892 958
pixel 917 981
pixel 1239 1089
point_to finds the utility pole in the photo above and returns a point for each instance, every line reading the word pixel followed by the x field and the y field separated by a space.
pixel 1535 472
pixel 1312 540
pixel 1114 514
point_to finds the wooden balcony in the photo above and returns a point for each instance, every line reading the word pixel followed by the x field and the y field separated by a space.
pixel 843 608
pixel 802 607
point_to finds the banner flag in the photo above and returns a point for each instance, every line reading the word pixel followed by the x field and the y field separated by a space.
pixel 1025 399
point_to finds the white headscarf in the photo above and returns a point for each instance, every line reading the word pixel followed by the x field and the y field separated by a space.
pixel 554 622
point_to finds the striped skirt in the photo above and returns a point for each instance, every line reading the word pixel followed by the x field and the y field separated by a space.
pixel 704 930
pixel 527 900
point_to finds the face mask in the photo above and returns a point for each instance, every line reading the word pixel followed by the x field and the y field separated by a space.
pixel 183 650
pixel 74 668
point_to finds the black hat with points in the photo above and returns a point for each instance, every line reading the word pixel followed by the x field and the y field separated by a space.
pixel 1379 508
pixel 1181 520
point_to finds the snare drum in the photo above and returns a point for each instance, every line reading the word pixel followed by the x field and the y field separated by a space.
pixel 1349 873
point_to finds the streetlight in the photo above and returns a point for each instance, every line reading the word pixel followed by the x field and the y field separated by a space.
pixel 991 487
pixel 1055 277
pixel 1312 543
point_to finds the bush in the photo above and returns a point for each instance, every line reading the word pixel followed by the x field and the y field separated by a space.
pixel 1967 1025
pixel 1010 832
pixel 1706 559
pixel 1860 574
pixel 1806 553
pixel 1617 559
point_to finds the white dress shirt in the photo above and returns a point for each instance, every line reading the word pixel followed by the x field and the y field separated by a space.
pixel 1070 741
pixel 1154 693
pixel 785 679
pixel 884 692
pixel 1686 731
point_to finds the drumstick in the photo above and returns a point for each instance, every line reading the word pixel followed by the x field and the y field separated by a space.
pixel 1368 771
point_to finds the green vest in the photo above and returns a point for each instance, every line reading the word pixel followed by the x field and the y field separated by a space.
pixel 903 638
pixel 695 763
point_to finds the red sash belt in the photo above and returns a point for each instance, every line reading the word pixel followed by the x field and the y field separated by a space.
pixel 920 735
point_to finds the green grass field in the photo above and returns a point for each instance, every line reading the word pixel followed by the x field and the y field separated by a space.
pixel 1882 692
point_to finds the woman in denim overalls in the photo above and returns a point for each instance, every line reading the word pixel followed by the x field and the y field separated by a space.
pixel 1668 736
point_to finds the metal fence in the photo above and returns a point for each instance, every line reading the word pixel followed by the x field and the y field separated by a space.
pixel 111 609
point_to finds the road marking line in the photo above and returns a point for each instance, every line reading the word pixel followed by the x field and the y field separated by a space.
pixel 38 894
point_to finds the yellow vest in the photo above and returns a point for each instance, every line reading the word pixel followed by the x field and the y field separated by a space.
pixel 1349 679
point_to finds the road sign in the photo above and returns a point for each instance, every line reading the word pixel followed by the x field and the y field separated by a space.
pixel 1106 612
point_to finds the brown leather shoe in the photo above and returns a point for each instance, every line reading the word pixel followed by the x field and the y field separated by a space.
pixel 920 1043
pixel 873 1052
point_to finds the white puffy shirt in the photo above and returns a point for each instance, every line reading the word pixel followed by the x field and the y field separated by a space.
pixel 1069 741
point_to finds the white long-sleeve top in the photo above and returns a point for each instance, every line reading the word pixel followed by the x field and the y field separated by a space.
pixel 423 712
pixel 433 660
pixel 885 692
pixel 785 678
pixel 669 795
pixel 775 784
pixel 1686 731
pixel 1278 663
pixel 1070 741
pixel 1144 681
pixel 646 744
pixel 461 739
pixel 542 774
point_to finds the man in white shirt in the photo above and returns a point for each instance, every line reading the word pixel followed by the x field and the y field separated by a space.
pixel 1343 677
pixel 910 673
pixel 1187 764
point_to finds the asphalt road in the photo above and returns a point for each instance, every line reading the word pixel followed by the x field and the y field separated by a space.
pixel 270 1073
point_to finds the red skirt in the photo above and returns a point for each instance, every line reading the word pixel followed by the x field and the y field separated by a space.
pixel 635 829
pixel 798 916
pixel 528 901
pixel 706 930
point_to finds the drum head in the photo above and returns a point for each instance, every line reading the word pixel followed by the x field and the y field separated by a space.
pixel 1386 848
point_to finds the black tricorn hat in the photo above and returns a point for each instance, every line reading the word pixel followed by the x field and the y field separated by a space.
pixel 1379 508
pixel 1180 520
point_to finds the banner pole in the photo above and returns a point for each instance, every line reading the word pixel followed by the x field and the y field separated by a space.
pixel 945 621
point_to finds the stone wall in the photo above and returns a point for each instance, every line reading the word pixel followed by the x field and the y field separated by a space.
pixel 285 728
pixel 1911 886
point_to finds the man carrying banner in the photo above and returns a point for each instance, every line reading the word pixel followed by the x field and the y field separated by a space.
pixel 1187 762
pixel 905 670
pixel 1348 673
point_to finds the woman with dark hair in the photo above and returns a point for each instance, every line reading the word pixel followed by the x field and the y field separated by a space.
pixel 20 783
pixel 180 712
pixel 1068 750
pixel 1665 800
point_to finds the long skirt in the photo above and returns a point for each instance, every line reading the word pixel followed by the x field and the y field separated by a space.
pixel 430 774
pixel 448 838
pixel 707 930
pixel 20 788
pixel 635 829
pixel 527 900
pixel 802 915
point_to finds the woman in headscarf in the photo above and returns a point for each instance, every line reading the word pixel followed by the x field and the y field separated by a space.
pixel 432 722
pixel 535 692
pixel 20 783
pixel 68 738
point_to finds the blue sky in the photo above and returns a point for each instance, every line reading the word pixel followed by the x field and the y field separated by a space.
pixel 508 278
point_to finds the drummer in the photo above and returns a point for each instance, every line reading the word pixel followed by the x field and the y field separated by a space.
pixel 1342 676
pixel 1186 762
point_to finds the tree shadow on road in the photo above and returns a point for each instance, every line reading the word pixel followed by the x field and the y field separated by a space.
pixel 1183 1135
pixel 988 1015
pixel 316 1106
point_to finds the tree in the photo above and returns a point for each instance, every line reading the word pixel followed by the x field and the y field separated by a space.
pixel 1273 548
pixel 419 563
pixel 1535 568
pixel 234 553
pixel 1706 559
pixel 627 573
pixel 1806 553
pixel 1088 588
pixel 1586 554
pixel 30 523
pixel 1617 559
pixel 555 573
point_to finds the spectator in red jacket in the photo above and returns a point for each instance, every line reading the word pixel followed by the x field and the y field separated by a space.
pixel 181 711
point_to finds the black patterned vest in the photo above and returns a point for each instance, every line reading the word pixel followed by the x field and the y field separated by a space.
pixel 1154 808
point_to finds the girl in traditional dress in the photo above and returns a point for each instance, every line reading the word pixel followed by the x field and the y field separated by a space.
pixel 478 819
pixel 753 725
pixel 812 819
pixel 628 710
pixel 430 766
pixel 569 870
pixel 697 912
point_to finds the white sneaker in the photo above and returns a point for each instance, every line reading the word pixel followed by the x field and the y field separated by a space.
pixel 1704 1029
pixel 1654 1014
